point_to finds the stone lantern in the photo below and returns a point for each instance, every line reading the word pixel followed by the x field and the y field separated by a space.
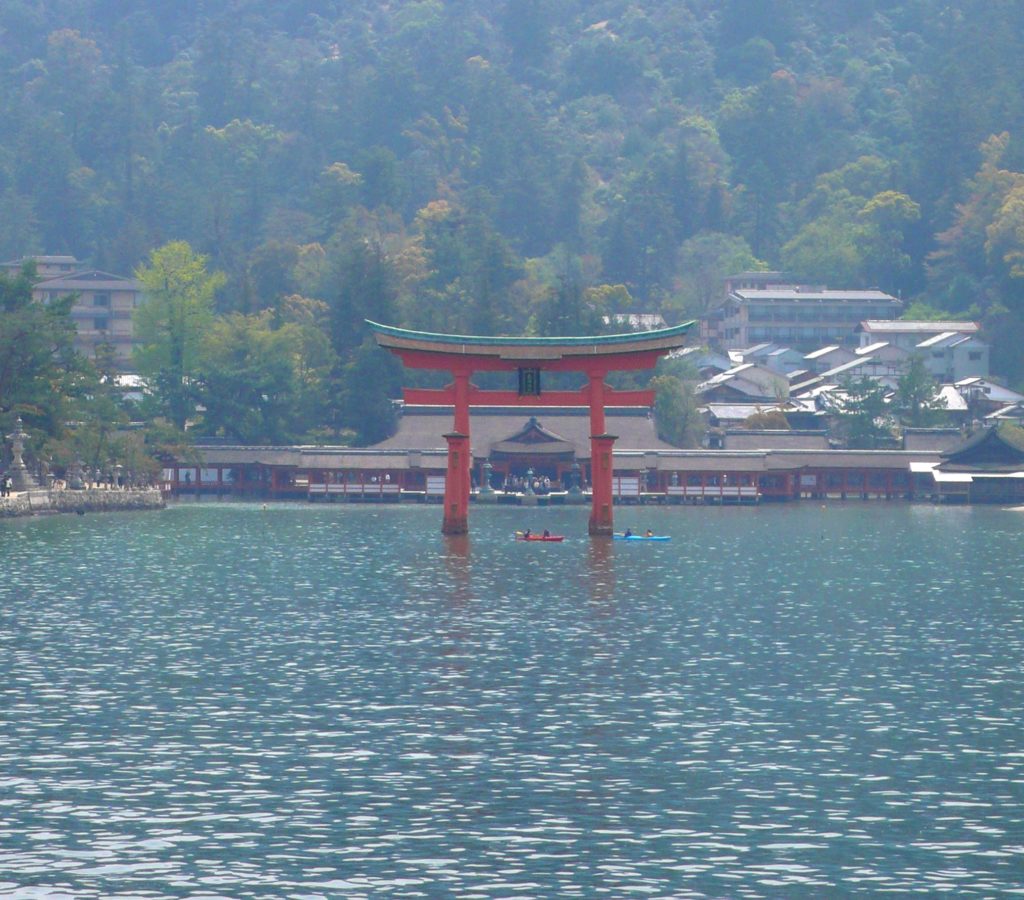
pixel 575 478
pixel 529 497
pixel 76 481
pixel 486 493
pixel 21 478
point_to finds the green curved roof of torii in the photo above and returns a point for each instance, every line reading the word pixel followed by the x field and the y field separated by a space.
pixel 609 343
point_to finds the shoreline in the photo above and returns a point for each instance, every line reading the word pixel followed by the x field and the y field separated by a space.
pixel 40 502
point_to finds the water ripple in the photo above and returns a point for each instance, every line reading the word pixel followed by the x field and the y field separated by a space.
pixel 335 701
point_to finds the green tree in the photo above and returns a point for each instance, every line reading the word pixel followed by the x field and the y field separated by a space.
pixel 887 217
pixel 40 374
pixel 767 420
pixel 974 263
pixel 567 306
pixel 921 311
pixel 360 284
pixel 640 236
pixel 248 380
pixel 960 270
pixel 916 399
pixel 862 412
pixel 854 231
pixel 367 382
pixel 169 325
pixel 704 262
pixel 313 357
pixel 102 414
pixel 1004 243
pixel 765 169
pixel 675 411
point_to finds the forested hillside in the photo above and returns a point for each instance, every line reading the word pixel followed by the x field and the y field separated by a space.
pixel 522 165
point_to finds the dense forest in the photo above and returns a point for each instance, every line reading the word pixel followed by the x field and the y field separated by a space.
pixel 509 166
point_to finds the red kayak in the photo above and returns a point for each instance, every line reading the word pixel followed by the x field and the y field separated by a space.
pixel 522 536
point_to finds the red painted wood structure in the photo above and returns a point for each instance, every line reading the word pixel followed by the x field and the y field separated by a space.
pixel 462 356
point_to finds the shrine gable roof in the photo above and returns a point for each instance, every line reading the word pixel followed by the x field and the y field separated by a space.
pixel 1000 448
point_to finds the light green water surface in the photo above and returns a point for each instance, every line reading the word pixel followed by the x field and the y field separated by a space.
pixel 334 701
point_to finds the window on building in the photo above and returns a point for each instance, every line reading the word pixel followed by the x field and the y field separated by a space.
pixel 974 355
pixel 101 300
pixel 101 324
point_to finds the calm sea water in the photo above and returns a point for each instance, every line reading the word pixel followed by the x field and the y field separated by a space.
pixel 335 701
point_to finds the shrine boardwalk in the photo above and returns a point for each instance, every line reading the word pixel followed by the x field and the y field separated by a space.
pixel 662 475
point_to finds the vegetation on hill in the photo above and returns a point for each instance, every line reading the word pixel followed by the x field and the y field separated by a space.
pixel 508 166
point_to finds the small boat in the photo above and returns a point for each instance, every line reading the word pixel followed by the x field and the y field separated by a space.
pixel 523 536
pixel 642 537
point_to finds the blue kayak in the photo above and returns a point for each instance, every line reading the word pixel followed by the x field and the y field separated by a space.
pixel 642 537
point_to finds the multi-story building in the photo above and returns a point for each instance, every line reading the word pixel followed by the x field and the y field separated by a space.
pixel 711 324
pixel 103 307
pixel 800 316
pixel 46 266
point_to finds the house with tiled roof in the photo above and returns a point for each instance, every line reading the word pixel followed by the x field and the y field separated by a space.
pixel 952 355
pixel 828 357
pixel 745 382
pixel 983 396
pixel 951 350
pixel 908 333
pixel 886 358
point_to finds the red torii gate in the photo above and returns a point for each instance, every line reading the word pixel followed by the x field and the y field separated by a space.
pixel 529 356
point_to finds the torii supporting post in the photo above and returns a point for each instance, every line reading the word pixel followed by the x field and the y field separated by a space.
pixel 456 497
pixel 600 460
pixel 601 484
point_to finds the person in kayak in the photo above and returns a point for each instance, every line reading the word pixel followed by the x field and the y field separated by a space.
pixel 526 534
pixel 547 533
pixel 650 533
pixel 629 532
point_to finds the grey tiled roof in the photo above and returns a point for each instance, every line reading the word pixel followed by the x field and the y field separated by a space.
pixel 424 427
pixel 747 439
